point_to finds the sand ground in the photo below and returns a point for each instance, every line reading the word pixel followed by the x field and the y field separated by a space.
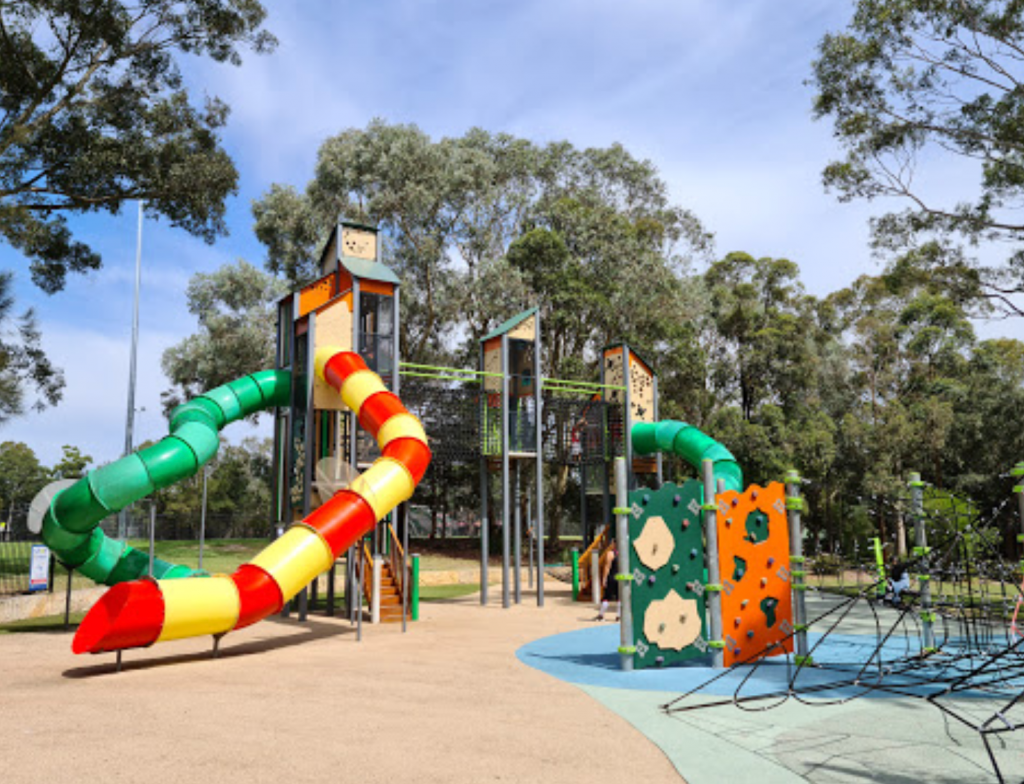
pixel 291 702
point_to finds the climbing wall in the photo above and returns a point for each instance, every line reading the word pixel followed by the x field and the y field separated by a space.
pixel 667 563
pixel 753 552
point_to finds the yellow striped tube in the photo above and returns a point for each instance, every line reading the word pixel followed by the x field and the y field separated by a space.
pixel 384 485
pixel 400 426
pixel 197 606
pixel 359 386
pixel 295 558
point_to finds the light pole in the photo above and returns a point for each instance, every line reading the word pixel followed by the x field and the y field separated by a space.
pixel 122 517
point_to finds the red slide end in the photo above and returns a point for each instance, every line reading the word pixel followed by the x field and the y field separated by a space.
pixel 129 615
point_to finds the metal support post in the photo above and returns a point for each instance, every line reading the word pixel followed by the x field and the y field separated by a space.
pixel 714 586
pixel 624 578
pixel 518 538
pixel 924 576
pixel 529 539
pixel 202 518
pixel 505 500
pixel 378 564
pixel 538 408
pixel 484 544
pixel 794 505
pixel 595 577
pixel 67 599
pixel 415 579
pixel 152 536
pixel 331 577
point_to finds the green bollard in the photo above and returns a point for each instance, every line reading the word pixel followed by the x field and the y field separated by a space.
pixel 575 572
pixel 414 598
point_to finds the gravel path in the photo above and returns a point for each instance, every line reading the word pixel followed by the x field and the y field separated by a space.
pixel 290 702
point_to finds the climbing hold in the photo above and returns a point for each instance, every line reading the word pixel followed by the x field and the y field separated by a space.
pixel 650 580
pixel 693 553
pixel 764 581
pixel 750 634
pixel 647 498
pixel 744 603
pixel 770 562
pixel 737 621
pixel 728 522
pixel 735 651
pixel 676 500
pixel 686 524
pixel 676 568
pixel 735 502
pixel 753 495
pixel 659 660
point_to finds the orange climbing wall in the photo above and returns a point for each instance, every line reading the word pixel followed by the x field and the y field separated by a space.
pixel 753 559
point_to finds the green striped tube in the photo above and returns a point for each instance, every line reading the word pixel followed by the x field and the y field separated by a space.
pixel 692 445
pixel 70 525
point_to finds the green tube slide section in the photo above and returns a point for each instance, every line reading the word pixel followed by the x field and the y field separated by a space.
pixel 689 443
pixel 70 526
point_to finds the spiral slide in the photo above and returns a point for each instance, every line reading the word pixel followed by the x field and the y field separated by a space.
pixel 144 611
pixel 70 524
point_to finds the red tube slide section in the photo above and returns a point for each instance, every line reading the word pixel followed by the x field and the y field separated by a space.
pixel 142 612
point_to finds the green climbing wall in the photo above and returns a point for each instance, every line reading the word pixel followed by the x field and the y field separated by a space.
pixel 667 564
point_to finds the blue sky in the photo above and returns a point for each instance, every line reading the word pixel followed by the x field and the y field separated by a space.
pixel 713 93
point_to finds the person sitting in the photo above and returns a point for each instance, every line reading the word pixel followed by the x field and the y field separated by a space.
pixel 610 586
pixel 899 581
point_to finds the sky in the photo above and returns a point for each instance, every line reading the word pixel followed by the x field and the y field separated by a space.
pixel 713 93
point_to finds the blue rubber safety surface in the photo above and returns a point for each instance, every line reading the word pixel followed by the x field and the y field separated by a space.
pixel 849 668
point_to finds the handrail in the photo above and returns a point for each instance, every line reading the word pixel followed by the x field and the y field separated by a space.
pixel 602 542
pixel 396 558
pixel 367 559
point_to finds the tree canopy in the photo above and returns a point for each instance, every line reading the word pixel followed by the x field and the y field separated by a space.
pixel 93 112
pixel 914 84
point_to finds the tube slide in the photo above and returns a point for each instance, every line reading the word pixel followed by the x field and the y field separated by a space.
pixel 692 445
pixel 70 525
pixel 142 612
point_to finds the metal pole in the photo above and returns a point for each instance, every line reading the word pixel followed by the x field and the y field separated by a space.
pixel 595 577
pixel 538 408
pixel 505 505
pixel 129 428
pixel 67 599
pixel 1018 472
pixel 714 586
pixel 485 437
pixel 924 576
pixel 626 649
pixel 794 505
pixel 202 518
pixel 402 513
pixel 378 563
pixel 152 536
pixel 518 580
pixel 359 593
pixel 529 539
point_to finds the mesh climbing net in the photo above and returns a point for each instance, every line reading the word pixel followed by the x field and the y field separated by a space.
pixel 954 640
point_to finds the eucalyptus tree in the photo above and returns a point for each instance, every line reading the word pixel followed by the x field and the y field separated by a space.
pixel 236 310
pixel 93 112
pixel 922 87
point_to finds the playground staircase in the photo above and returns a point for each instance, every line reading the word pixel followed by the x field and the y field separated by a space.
pixel 390 580
pixel 601 544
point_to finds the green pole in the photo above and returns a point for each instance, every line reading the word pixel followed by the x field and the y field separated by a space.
pixel 575 572
pixel 880 564
pixel 414 598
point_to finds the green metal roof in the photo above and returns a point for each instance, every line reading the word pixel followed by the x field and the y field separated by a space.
pixel 509 325
pixel 369 270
